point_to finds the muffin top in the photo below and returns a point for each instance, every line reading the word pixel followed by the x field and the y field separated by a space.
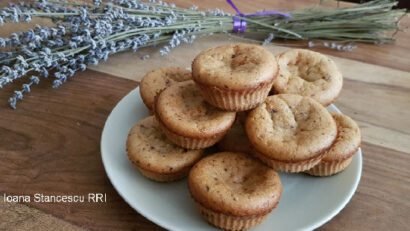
pixel 347 141
pixel 157 80
pixel 182 109
pixel 235 184
pixel 148 148
pixel 235 67
pixel 236 140
pixel 308 73
pixel 290 128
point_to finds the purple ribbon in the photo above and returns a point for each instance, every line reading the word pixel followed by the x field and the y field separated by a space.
pixel 239 25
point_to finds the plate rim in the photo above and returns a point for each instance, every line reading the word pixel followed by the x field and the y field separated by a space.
pixel 161 224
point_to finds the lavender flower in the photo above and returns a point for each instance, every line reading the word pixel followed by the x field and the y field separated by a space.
pixel 268 39
pixel 34 79
pixel 333 45
pixel 12 101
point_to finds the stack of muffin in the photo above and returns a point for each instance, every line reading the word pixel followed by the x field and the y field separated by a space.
pixel 225 101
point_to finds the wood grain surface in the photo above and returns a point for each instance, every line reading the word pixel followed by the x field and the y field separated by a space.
pixel 50 144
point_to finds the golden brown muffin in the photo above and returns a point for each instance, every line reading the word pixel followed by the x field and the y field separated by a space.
pixel 233 191
pixel 187 120
pixel 340 154
pixel 156 157
pixel 157 80
pixel 235 77
pixel 236 139
pixel 308 73
pixel 290 133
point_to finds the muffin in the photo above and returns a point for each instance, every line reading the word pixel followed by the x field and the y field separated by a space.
pixel 290 133
pixel 157 80
pixel 340 154
pixel 236 139
pixel 187 120
pixel 235 77
pixel 156 157
pixel 308 73
pixel 233 191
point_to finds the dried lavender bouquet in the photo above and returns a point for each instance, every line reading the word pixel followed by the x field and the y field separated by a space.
pixel 86 34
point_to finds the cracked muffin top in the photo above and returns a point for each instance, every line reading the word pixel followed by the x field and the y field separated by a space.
pixel 290 128
pixel 157 80
pixel 182 109
pixel 308 73
pixel 235 67
pixel 235 184
pixel 148 148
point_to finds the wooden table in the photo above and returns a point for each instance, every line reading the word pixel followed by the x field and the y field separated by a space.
pixel 50 144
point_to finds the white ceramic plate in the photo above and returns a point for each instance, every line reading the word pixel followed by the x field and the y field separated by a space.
pixel 307 202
